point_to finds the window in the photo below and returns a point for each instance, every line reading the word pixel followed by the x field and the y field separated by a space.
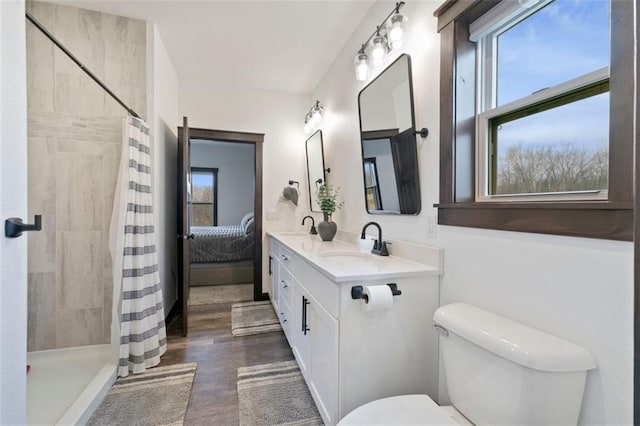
pixel 543 96
pixel 537 116
pixel 204 195
pixel 372 188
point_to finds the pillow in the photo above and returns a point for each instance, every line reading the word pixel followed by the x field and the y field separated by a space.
pixel 246 219
pixel 250 227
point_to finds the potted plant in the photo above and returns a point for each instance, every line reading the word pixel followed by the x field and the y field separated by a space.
pixel 327 198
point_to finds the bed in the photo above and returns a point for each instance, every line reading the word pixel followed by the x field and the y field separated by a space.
pixel 218 244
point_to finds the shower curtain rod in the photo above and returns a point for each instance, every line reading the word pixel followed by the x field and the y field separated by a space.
pixel 55 41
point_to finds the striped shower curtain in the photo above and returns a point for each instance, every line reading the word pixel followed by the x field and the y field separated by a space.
pixel 137 330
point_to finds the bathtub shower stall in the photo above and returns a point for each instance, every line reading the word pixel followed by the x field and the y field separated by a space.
pixel 74 143
pixel 65 386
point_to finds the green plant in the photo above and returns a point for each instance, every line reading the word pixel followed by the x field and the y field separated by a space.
pixel 327 198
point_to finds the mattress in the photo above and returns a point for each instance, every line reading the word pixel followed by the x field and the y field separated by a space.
pixel 213 244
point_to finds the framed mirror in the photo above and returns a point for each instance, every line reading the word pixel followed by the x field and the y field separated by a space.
pixel 315 167
pixel 388 142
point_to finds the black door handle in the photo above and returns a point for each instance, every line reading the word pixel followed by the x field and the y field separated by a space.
pixel 304 313
pixel 305 326
pixel 13 227
pixel 186 237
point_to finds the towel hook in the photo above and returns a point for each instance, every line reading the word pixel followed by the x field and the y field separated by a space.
pixel 291 182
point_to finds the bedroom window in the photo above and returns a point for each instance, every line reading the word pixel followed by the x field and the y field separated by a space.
pixel 374 200
pixel 204 196
pixel 536 111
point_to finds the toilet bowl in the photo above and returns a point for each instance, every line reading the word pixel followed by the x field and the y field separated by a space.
pixel 404 410
pixel 498 371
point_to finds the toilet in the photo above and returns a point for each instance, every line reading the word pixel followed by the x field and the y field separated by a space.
pixel 498 372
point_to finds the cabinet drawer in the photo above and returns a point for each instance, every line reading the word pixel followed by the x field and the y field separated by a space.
pixel 287 258
pixel 285 284
pixel 275 247
pixel 285 317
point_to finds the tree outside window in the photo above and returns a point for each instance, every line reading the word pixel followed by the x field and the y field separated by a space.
pixel 204 195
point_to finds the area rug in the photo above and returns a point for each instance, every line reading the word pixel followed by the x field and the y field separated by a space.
pixel 253 318
pixel 275 394
pixel 159 396
pixel 209 295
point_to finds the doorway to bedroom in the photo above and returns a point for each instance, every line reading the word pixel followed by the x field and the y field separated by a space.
pixel 224 212
pixel 222 217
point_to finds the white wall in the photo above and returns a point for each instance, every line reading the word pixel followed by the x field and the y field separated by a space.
pixel 280 116
pixel 234 162
pixel 578 289
pixel 13 203
pixel 162 85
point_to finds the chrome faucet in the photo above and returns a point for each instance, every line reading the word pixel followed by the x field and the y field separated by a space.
pixel 379 245
pixel 313 225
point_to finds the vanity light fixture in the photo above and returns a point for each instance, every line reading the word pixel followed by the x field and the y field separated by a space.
pixel 313 118
pixel 388 36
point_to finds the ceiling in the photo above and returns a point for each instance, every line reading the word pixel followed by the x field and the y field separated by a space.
pixel 272 45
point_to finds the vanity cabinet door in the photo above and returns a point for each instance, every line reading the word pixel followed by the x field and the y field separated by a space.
pixel 274 267
pixel 323 329
pixel 299 328
pixel 284 315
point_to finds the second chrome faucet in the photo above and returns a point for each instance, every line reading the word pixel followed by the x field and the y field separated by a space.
pixel 312 231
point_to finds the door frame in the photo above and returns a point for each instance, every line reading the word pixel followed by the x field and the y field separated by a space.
pixel 256 139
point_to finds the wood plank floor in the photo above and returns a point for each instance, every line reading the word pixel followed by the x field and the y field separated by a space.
pixel 214 397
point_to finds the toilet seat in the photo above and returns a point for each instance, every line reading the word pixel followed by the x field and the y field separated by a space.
pixel 400 410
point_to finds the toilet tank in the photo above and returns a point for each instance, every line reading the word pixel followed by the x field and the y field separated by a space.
pixel 501 372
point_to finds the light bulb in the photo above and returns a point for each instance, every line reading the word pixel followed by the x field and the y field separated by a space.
pixel 361 66
pixel 378 50
pixel 316 117
pixel 307 128
pixel 396 29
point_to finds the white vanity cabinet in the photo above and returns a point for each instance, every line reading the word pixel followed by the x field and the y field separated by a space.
pixel 274 266
pixel 315 346
pixel 281 285
pixel 347 354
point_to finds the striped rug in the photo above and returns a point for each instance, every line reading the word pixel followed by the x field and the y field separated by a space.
pixel 253 318
pixel 159 396
pixel 275 394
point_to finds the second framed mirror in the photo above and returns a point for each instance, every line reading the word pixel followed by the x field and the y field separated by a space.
pixel 315 168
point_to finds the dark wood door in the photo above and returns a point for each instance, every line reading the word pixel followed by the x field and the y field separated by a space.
pixel 404 154
pixel 184 222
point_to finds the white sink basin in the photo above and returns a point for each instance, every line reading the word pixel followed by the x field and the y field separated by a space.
pixel 345 253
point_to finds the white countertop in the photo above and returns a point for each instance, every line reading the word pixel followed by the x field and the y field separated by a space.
pixel 345 262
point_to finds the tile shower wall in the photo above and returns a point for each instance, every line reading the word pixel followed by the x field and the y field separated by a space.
pixel 75 135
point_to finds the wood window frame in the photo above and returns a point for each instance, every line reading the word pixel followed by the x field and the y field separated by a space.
pixel 214 203
pixel 604 219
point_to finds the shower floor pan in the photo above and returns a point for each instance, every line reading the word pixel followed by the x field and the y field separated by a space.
pixel 65 386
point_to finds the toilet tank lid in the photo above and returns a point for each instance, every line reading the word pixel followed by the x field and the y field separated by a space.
pixel 512 340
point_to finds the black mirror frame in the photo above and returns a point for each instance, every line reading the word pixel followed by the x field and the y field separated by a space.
pixel 413 129
pixel 324 169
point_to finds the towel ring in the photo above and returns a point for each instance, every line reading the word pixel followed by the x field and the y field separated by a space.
pixel 291 182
